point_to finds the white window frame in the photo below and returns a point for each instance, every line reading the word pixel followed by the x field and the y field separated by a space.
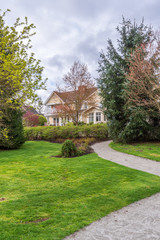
pixel 56 121
pixel 105 118
pixel 98 117
pixel 91 117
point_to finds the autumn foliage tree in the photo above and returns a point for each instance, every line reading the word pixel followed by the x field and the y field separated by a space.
pixel 142 91
pixel 20 72
pixel 77 87
pixel 143 85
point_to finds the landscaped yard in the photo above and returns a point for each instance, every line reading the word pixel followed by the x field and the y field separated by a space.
pixel 146 150
pixel 43 197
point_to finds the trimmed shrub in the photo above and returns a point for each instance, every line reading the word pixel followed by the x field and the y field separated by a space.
pixel 51 133
pixel 41 120
pixel 11 134
pixel 68 149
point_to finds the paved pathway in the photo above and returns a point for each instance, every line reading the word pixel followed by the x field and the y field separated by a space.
pixel 138 221
pixel 143 164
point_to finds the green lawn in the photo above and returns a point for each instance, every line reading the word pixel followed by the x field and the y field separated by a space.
pixel 67 193
pixel 146 150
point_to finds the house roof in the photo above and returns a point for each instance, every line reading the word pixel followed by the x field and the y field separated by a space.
pixel 30 109
pixel 94 107
pixel 68 95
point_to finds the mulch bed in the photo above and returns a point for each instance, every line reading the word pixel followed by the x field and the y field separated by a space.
pixel 2 199
pixel 89 150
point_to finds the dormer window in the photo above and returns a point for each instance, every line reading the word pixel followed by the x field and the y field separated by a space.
pixel 100 105
pixel 85 105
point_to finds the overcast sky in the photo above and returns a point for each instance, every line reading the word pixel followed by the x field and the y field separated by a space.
pixel 69 30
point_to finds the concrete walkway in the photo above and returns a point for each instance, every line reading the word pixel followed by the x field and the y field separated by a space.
pixel 138 221
pixel 139 163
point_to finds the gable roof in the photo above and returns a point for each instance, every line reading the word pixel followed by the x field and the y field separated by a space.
pixel 54 92
pixel 93 107
pixel 30 109
pixel 68 95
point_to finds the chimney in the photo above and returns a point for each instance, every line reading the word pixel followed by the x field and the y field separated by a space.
pixel 82 88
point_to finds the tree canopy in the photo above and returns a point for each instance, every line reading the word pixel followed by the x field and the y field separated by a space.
pixel 20 71
pixel 114 69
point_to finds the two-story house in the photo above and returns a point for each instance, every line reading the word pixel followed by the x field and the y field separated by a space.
pixel 89 113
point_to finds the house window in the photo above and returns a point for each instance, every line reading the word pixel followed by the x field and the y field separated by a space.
pixel 105 118
pixel 56 121
pixel 91 117
pixel 100 105
pixel 98 116
pixel 85 105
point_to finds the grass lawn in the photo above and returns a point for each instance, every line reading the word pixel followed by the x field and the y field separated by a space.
pixel 146 150
pixel 48 198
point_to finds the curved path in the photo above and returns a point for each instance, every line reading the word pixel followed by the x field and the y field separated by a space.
pixel 139 163
pixel 138 221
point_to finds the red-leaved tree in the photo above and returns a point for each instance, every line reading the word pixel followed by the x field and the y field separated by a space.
pixel 143 85
pixel 31 119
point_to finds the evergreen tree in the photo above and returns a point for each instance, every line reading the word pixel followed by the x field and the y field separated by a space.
pixel 11 132
pixel 113 66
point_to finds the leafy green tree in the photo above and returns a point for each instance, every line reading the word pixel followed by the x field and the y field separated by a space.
pixel 13 135
pixel 113 66
pixel 20 72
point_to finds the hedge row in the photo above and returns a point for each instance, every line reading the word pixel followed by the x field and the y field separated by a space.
pixel 51 133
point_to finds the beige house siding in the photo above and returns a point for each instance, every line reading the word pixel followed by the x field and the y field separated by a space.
pixel 97 99
pixel 51 120
pixel 54 100
pixel 54 119
pixel 84 118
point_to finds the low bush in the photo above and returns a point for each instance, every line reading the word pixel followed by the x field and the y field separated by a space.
pixel 52 133
pixel 68 149
pixel 83 145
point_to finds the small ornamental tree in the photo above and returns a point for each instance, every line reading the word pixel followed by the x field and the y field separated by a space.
pixel 31 119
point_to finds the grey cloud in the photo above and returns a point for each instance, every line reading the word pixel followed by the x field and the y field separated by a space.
pixel 88 49
pixel 68 30
pixel 55 61
pixel 61 61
